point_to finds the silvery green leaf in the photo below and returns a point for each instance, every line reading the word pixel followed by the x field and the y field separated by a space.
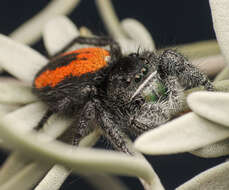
pixel 210 65
pixel 104 182
pixel 213 106
pixel 40 147
pixel 20 60
pixel 35 171
pixel 220 17
pixel 54 127
pixel 15 92
pixel 30 31
pixel 217 149
pixel 216 178
pixel 57 33
pixel 57 174
pixel 14 163
pixel 84 31
pixel 54 178
pixel 223 75
pixel 128 45
pixel 222 85
pixel 27 116
pixel 6 108
pixel 183 134
pixel 137 32
pixel 110 19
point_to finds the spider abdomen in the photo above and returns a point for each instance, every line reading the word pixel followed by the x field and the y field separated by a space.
pixel 70 78
pixel 71 64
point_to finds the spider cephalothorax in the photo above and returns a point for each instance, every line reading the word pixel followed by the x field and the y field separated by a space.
pixel 135 92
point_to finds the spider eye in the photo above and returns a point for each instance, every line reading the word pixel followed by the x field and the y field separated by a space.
pixel 146 61
pixel 134 54
pixel 138 78
pixel 144 70
pixel 128 80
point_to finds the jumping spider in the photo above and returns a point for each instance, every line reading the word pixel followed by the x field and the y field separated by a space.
pixel 135 92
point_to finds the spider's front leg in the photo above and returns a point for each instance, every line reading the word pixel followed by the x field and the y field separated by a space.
pixel 174 64
pixel 93 114
pixel 111 128
pixel 153 114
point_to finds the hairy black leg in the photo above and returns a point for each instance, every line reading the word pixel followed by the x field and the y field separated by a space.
pixel 175 64
pixel 111 128
pixel 151 115
pixel 96 41
pixel 60 106
pixel 44 119
pixel 63 104
pixel 85 123
pixel 81 126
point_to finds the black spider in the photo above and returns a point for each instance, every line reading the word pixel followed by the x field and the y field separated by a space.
pixel 135 92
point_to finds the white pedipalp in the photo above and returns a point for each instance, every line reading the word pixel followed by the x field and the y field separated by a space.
pixel 143 84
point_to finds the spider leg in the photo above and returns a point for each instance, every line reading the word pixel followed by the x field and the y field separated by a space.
pixel 111 128
pixel 43 120
pixel 96 41
pixel 60 105
pixel 81 126
pixel 85 123
pixel 151 115
pixel 175 64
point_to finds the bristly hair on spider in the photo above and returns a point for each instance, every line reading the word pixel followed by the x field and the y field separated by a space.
pixel 135 92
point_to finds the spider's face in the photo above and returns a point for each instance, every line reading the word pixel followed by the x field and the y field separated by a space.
pixel 134 77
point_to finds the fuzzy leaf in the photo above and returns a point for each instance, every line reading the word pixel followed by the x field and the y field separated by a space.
pixel 213 106
pixel 15 92
pixel 14 163
pixel 217 149
pixel 54 178
pixel 183 134
pixel 27 116
pixel 30 31
pixel 110 19
pixel 138 32
pixel 6 108
pixel 20 60
pixel 216 178
pixel 79 160
pixel 35 171
pixel 57 33
pixel 220 17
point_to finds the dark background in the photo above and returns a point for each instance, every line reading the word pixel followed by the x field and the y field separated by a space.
pixel 170 23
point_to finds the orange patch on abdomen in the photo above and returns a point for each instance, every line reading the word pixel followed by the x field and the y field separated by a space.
pixel 88 60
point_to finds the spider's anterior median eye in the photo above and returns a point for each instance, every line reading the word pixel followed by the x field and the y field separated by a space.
pixel 128 80
pixel 134 54
pixel 145 61
pixel 144 70
pixel 138 78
